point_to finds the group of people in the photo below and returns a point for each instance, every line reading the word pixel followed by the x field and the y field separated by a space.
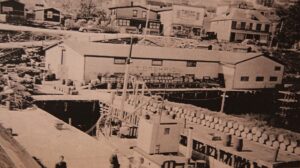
pixel 114 162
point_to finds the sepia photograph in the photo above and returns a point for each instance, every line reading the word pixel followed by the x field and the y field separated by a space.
pixel 149 83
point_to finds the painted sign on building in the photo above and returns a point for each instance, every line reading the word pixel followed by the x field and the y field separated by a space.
pixel 188 14
pixel 220 155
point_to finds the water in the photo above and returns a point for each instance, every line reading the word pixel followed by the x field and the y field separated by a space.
pixel 84 114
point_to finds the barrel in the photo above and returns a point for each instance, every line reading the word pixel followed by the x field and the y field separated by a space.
pixel 235 125
pixel 281 137
pixel 226 129
pixel 244 135
pixel 232 131
pixel 250 136
pixel 239 144
pixel 291 149
pixel 255 138
pixel 227 140
pixel 295 143
pixel 229 124
pixel 247 129
pixel 262 140
pixel 237 133
pixel 282 146
pixel 241 127
pixel 276 144
pixel 297 150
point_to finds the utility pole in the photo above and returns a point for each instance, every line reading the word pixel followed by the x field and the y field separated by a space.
pixel 281 27
pixel 126 77
pixel 147 20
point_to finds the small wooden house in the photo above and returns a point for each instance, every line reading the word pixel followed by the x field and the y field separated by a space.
pixel 52 15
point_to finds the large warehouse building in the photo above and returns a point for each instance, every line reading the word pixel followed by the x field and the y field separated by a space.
pixel 83 61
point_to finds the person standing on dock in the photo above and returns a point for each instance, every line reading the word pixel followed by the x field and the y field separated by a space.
pixel 61 163
pixel 114 161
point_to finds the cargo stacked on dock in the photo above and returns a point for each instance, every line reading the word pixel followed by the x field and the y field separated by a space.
pixel 248 129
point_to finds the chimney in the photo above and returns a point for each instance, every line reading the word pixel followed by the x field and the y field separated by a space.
pixel 131 3
pixel 189 149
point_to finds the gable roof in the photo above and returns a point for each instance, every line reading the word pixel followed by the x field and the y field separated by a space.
pixel 48 8
pixel 165 53
pixel 133 6
pixel 1 1
pixel 243 15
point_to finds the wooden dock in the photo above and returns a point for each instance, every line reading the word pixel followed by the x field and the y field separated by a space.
pixel 38 134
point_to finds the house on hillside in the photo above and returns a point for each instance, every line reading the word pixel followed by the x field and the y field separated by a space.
pixel 11 11
pixel 240 70
pixel 182 20
pixel 50 15
pixel 133 18
pixel 237 24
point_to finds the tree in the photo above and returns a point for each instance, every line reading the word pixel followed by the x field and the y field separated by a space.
pixel 87 8
pixel 67 5
pixel 289 27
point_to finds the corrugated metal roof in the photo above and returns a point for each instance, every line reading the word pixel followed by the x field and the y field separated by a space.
pixel 151 52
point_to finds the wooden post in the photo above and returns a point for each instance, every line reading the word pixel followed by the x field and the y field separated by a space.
pixel 223 101
pixel 70 121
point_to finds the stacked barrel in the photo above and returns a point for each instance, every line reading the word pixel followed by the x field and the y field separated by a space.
pixel 256 131
pixel 242 128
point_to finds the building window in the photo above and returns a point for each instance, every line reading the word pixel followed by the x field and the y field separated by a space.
pixel 273 78
pixel 277 68
pixel 250 26
pixel 157 149
pixel 49 14
pixel 113 12
pixel 259 79
pixel 6 9
pixel 157 62
pixel 135 13
pixel 233 25
pixel 144 14
pixel 258 27
pixel 191 63
pixel 166 131
pixel 245 78
pixel 154 25
pixel 123 22
pixel 119 60
pixel 267 28
pixel 183 140
pixel 243 25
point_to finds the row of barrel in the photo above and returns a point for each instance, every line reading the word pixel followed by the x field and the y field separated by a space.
pixel 71 90
pixel 149 79
pixel 252 131
pixel 244 128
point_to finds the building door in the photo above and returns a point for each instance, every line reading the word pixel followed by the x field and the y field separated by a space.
pixel 232 37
